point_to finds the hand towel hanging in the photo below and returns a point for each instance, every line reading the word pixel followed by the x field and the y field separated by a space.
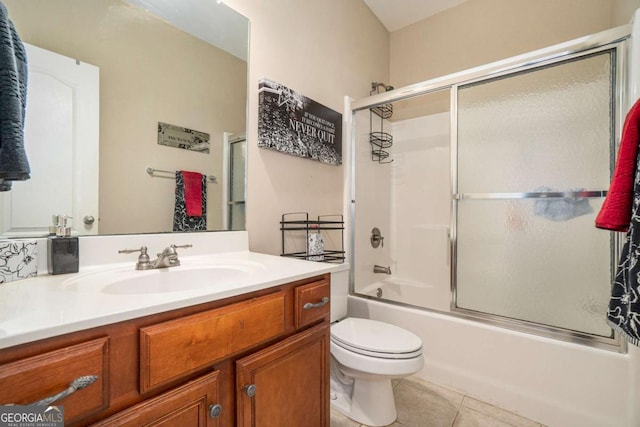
pixel 623 314
pixel 193 187
pixel 190 213
pixel 14 165
pixel 615 213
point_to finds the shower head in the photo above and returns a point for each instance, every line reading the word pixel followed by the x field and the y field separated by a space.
pixel 375 87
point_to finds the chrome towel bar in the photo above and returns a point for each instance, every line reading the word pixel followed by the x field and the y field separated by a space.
pixel 533 195
pixel 156 172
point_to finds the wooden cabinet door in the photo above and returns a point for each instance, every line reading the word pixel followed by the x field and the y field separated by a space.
pixel 290 380
pixel 185 406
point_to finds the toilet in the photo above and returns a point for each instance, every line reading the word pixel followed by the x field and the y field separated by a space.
pixel 365 356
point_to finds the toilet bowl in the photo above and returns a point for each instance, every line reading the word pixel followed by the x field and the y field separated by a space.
pixel 365 356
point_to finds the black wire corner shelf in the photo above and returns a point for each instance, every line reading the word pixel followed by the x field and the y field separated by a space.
pixel 298 225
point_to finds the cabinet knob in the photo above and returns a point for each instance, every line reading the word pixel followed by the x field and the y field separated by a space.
pixel 250 390
pixel 215 410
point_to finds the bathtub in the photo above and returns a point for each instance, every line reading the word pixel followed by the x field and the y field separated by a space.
pixel 553 382
pixel 408 291
pixel 405 291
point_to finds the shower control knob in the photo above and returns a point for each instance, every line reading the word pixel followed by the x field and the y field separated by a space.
pixel 376 238
pixel 250 390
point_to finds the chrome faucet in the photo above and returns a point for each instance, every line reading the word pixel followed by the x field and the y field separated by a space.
pixel 380 269
pixel 167 258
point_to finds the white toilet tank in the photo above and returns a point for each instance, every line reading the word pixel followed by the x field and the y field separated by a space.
pixel 339 292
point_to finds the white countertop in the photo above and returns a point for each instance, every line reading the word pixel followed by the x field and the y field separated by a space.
pixel 47 306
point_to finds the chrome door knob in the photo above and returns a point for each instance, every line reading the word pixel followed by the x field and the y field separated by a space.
pixel 250 390
pixel 215 410
pixel 88 219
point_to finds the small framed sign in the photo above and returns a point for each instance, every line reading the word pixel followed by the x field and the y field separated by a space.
pixel 179 137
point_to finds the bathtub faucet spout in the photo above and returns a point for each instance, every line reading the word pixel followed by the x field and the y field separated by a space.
pixel 381 269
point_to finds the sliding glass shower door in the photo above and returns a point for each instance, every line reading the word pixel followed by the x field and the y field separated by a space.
pixel 533 158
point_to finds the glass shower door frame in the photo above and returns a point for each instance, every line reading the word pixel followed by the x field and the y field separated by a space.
pixel 603 40
pixel 614 342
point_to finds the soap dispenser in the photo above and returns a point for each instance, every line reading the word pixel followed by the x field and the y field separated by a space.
pixel 62 249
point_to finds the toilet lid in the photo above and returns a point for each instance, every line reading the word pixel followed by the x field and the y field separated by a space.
pixel 375 338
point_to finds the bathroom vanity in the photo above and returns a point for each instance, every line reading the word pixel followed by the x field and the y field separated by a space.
pixel 249 353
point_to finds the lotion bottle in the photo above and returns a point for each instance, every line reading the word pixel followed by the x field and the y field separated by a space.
pixel 63 254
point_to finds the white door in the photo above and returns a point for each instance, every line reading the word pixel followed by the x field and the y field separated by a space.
pixel 61 140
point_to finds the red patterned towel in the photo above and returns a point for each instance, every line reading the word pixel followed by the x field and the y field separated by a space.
pixel 615 213
pixel 193 192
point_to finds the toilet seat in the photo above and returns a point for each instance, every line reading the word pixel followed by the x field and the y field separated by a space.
pixel 375 339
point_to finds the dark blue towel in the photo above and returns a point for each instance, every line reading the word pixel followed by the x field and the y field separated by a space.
pixel 14 165
pixel 624 306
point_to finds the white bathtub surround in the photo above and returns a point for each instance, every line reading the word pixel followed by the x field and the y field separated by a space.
pixel 46 306
pixel 553 382
pixel 409 200
pixel 18 260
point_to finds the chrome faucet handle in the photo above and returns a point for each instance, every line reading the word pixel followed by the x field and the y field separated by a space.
pixel 182 246
pixel 143 249
pixel 170 251
pixel 144 262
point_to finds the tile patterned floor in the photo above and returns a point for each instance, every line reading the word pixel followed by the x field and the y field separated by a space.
pixel 422 404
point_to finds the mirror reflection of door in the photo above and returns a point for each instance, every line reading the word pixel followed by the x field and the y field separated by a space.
pixel 236 183
pixel 61 140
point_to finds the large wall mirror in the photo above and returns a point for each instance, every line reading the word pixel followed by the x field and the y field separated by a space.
pixel 155 61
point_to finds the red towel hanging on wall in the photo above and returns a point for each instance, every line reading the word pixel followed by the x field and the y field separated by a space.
pixel 193 192
pixel 615 213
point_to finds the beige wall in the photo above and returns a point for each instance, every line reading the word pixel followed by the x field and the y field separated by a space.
pixel 324 50
pixel 622 11
pixel 139 59
pixel 482 31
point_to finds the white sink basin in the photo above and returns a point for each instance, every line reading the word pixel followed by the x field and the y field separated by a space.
pixel 175 279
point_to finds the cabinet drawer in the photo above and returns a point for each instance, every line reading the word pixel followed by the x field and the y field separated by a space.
pixel 178 347
pixel 187 405
pixel 312 302
pixel 29 380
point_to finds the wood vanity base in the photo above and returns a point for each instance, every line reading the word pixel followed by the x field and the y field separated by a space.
pixel 262 357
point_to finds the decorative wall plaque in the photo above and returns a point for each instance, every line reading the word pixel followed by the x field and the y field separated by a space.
pixel 179 137
pixel 294 124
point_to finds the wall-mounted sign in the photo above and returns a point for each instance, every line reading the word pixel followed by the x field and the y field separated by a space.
pixel 296 125
pixel 179 137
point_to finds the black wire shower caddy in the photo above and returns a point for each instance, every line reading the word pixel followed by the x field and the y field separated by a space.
pixel 380 140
